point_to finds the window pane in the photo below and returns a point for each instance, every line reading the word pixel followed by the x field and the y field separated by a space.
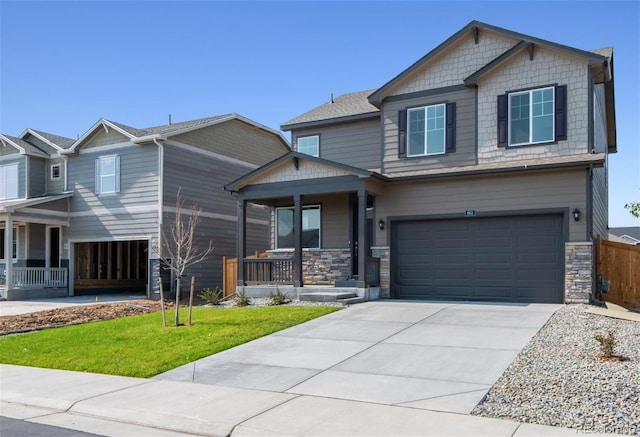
pixel 542 115
pixel 9 181
pixel 416 132
pixel 519 113
pixel 308 145
pixel 108 184
pixel 543 128
pixel 284 228
pixel 435 141
pixel 311 228
pixel 435 132
pixel 108 165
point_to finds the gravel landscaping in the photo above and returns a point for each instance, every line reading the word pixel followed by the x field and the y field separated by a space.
pixel 559 379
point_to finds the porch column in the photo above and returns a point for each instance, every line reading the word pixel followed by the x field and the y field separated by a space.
pixel 297 238
pixel 8 251
pixel 362 235
pixel 241 246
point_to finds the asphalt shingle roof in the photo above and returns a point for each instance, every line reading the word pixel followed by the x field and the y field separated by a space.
pixel 345 105
pixel 29 148
pixel 58 140
pixel 168 128
pixel 605 51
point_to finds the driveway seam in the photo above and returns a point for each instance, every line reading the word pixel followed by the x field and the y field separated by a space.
pixel 293 397
pixel 145 382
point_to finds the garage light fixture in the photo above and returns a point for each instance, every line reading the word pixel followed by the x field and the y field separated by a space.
pixel 576 214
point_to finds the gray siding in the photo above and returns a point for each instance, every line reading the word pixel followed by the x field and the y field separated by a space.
pixel 37 241
pixel 102 138
pixel 522 192
pixel 132 211
pixel 8 151
pixel 201 178
pixel 21 160
pixel 37 174
pixel 599 119
pixel 55 186
pixel 356 143
pixel 465 153
pixel 600 203
pixel 236 139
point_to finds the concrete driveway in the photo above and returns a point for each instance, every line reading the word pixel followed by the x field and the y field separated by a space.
pixel 441 356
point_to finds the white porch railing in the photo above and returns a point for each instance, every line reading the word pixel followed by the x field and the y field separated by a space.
pixel 38 277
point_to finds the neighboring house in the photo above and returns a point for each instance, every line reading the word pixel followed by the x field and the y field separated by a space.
pixel 478 173
pixel 629 234
pixel 97 207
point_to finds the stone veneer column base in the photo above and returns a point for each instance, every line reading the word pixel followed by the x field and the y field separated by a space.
pixel 578 277
pixel 383 253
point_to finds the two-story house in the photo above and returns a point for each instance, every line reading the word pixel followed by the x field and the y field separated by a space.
pixel 98 207
pixel 478 173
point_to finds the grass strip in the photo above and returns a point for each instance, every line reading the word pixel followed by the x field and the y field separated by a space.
pixel 139 346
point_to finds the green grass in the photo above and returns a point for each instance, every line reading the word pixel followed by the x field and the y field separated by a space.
pixel 140 346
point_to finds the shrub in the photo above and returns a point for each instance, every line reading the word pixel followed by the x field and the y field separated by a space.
pixel 607 343
pixel 211 297
pixel 278 298
pixel 241 299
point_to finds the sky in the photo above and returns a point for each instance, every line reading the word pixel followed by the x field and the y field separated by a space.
pixel 65 65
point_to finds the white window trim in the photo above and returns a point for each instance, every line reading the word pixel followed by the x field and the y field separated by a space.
pixel 444 136
pixel 3 196
pixel 59 172
pixel 317 137
pixel 99 175
pixel 553 116
pixel 318 207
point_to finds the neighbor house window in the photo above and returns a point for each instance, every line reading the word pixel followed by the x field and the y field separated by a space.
pixel 310 227
pixel 55 171
pixel 532 116
pixel 108 174
pixel 426 128
pixel 14 244
pixel 309 145
pixel 9 181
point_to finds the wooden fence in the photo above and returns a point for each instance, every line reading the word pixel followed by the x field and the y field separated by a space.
pixel 230 272
pixel 620 264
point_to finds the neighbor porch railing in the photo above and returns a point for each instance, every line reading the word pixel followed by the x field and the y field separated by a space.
pixel 37 277
pixel 268 270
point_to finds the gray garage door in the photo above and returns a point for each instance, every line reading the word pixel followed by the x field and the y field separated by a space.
pixel 514 258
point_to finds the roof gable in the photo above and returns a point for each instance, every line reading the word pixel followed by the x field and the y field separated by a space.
pixel 475 31
pixel 57 142
pixel 23 147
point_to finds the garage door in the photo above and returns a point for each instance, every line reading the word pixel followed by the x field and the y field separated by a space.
pixel 513 258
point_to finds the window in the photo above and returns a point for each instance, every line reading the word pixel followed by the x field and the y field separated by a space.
pixel 14 244
pixel 426 130
pixel 108 174
pixel 55 171
pixel 532 116
pixel 9 181
pixel 309 145
pixel 310 227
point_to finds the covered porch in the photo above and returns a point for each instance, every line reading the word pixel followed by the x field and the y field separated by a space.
pixel 32 260
pixel 322 225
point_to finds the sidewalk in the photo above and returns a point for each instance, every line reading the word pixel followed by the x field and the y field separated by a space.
pixel 13 307
pixel 117 406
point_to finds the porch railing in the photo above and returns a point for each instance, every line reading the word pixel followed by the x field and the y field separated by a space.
pixel 38 277
pixel 373 271
pixel 268 270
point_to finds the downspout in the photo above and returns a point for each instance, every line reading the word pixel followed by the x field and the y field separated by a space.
pixel 160 200
pixel 66 179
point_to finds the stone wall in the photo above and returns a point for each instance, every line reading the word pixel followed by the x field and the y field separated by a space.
pixel 382 252
pixel 578 279
pixel 320 266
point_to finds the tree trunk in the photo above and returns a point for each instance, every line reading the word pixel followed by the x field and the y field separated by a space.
pixel 164 315
pixel 178 301
pixel 193 286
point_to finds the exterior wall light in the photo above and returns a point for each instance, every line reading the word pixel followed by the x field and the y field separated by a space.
pixel 381 224
pixel 576 214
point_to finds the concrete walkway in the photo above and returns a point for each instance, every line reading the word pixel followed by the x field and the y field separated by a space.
pixel 374 369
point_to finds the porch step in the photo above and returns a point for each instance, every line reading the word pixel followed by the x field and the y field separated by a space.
pixel 347 283
pixel 326 296
pixel 351 300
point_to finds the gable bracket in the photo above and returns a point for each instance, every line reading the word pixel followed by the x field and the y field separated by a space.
pixel 106 128
pixel 295 162
pixel 476 34
pixel 530 48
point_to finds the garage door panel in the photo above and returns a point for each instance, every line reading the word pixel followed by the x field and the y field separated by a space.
pixel 516 258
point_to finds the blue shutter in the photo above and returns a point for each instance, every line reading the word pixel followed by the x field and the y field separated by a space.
pixel 117 164
pixel 561 112
pixel 97 189
pixel 451 128
pixel 503 121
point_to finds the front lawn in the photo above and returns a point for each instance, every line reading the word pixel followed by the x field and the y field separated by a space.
pixel 140 346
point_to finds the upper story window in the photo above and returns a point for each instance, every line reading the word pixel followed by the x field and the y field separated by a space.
pixel 310 227
pixel 108 174
pixel 426 130
pixel 532 116
pixel 56 172
pixel 9 181
pixel 309 145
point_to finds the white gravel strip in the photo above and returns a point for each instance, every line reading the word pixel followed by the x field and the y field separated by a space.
pixel 559 380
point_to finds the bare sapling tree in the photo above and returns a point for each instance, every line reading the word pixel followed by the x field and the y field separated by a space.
pixel 181 245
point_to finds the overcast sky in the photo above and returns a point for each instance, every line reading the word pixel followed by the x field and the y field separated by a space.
pixel 65 65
